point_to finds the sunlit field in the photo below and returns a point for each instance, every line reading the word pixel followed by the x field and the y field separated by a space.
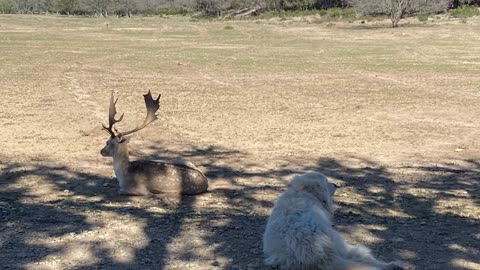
pixel 391 116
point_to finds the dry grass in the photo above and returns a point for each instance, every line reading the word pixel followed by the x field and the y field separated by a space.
pixel 390 115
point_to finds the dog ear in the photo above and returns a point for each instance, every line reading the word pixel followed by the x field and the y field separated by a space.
pixel 332 188
pixel 320 192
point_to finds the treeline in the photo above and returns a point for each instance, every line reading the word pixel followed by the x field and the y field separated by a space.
pixel 93 7
pixel 219 7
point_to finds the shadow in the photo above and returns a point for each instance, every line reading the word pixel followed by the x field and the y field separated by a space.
pixel 50 212
pixel 33 220
pixel 386 25
pixel 217 162
pixel 22 217
pixel 59 217
pixel 417 213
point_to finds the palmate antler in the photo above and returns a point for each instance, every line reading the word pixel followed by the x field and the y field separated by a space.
pixel 111 117
pixel 152 107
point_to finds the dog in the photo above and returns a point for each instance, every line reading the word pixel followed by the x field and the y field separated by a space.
pixel 300 236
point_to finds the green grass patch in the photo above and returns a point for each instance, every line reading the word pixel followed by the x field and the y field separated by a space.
pixel 338 13
pixel 465 11
pixel 423 17
pixel 166 12
pixel 341 13
pixel 289 13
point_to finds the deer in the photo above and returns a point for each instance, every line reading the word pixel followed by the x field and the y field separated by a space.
pixel 148 177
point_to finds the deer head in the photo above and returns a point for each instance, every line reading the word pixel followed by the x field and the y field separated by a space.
pixel 117 137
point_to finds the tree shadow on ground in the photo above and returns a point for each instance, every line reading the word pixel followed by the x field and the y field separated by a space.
pixel 25 222
pixel 228 224
pixel 409 212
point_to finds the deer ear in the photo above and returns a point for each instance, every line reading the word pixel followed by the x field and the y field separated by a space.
pixel 124 139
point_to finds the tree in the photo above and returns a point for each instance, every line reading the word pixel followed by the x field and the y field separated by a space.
pixel 396 9
pixel 127 8
pixel 210 7
pixel 68 6
pixel 325 4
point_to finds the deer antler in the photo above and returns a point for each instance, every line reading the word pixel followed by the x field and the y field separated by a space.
pixel 111 117
pixel 152 107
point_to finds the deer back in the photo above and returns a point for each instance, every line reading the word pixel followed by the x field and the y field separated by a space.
pixel 169 176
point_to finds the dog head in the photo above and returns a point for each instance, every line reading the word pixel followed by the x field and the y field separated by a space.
pixel 317 184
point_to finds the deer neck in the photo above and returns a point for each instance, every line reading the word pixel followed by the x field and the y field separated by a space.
pixel 121 161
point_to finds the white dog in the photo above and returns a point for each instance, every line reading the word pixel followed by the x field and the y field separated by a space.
pixel 300 236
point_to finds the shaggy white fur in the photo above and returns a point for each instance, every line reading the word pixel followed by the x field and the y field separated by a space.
pixel 300 236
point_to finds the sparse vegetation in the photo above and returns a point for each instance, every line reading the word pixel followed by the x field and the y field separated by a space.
pixel 343 13
pixel 167 11
pixel 395 9
pixel 228 9
pixel 290 4
pixel 6 7
pixel 336 13
pixel 423 17
pixel 290 13
pixel 465 11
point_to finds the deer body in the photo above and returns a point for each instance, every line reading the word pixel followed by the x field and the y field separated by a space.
pixel 144 177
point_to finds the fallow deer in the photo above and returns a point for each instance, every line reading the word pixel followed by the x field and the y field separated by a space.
pixel 145 177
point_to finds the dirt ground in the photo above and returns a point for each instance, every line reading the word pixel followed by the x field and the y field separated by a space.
pixel 392 116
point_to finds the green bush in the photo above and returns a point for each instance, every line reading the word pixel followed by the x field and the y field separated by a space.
pixel 6 7
pixel 341 13
pixel 322 12
pixel 210 8
pixel 177 11
pixel 289 13
pixel 465 11
pixel 333 13
pixel 166 11
pixel 290 4
pixel 423 17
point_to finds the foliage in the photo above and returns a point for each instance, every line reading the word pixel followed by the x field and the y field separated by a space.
pixel 166 12
pixel 211 7
pixel 326 4
pixel 341 12
pixel 423 17
pixel 7 7
pixel 290 13
pixel 459 3
pixel 395 9
pixel 380 7
pixel 68 6
pixel 465 11
pixel 332 13
pixel 290 4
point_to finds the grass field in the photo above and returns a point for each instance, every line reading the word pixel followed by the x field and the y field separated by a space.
pixel 392 116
